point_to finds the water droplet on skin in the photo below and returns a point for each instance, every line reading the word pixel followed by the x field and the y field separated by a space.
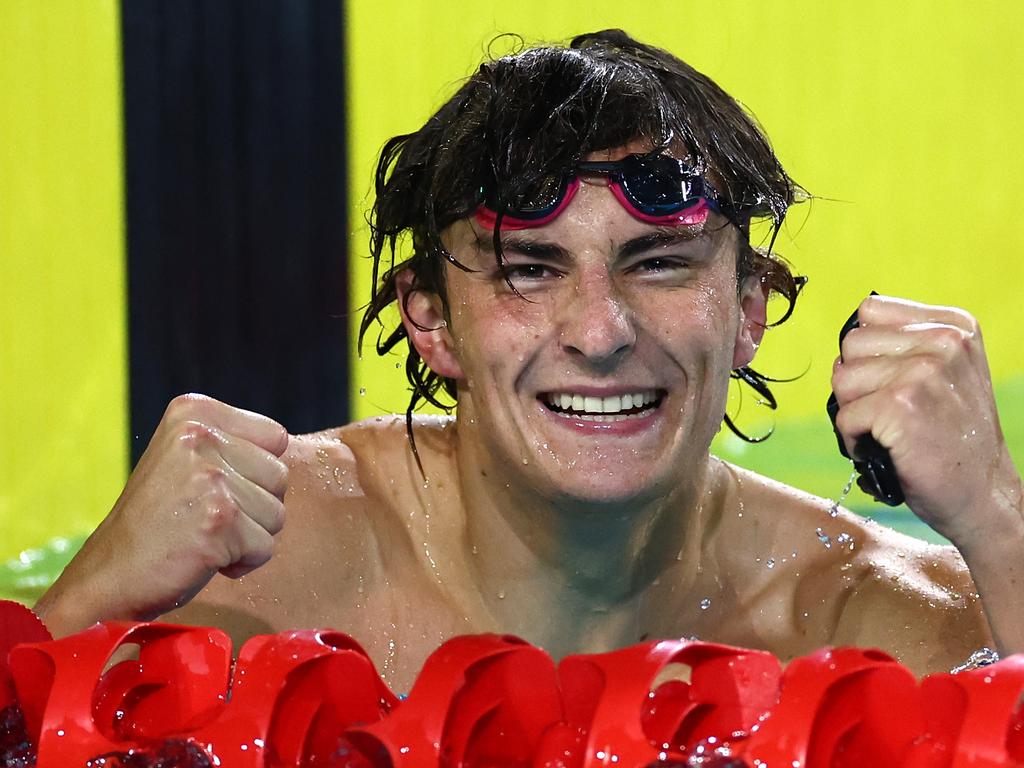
pixel 526 461
pixel 843 539
pixel 770 562
pixel 705 603
pixel 501 595
pixel 475 551
pixel 823 538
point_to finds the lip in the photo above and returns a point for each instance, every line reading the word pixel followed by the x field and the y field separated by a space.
pixel 601 391
pixel 624 428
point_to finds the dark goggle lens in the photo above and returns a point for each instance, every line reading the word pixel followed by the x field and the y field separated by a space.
pixel 659 185
pixel 537 201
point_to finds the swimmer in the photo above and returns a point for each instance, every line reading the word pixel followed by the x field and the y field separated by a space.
pixel 580 280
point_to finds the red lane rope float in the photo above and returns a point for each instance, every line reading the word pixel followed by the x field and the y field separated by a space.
pixel 150 695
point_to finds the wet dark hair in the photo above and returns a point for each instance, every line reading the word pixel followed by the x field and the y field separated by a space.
pixel 540 111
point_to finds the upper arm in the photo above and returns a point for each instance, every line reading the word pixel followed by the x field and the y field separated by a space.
pixel 922 609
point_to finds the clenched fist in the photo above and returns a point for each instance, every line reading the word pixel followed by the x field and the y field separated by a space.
pixel 207 496
pixel 915 377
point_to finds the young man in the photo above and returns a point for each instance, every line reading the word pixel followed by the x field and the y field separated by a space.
pixel 579 279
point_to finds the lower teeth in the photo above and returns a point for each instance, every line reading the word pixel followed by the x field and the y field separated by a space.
pixel 603 417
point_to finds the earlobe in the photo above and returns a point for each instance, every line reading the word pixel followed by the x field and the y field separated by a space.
pixel 753 306
pixel 425 324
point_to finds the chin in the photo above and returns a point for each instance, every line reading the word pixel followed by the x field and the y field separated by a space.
pixel 612 488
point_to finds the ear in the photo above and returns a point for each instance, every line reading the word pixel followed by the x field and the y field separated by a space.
pixel 753 309
pixel 424 321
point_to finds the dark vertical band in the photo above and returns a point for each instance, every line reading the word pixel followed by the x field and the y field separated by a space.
pixel 236 208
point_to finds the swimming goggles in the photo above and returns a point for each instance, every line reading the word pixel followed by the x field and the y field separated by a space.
pixel 657 189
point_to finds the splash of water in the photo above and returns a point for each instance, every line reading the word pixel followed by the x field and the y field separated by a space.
pixel 833 510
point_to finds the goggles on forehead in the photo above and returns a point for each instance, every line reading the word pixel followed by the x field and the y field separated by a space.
pixel 657 189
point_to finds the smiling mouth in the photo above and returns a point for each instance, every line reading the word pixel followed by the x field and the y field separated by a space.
pixel 574 406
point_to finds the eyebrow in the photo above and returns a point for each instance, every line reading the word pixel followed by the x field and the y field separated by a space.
pixel 662 237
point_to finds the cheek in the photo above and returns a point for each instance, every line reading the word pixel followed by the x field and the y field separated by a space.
pixel 694 319
pixel 491 333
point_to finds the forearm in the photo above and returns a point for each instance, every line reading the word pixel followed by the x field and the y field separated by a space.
pixel 93 587
pixel 64 612
pixel 75 603
pixel 995 558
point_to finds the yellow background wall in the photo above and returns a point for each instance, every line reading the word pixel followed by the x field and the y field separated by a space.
pixel 904 118
pixel 63 418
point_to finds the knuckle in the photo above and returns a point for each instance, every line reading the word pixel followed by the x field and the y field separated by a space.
pixel 279 483
pixel 214 555
pixel 968 321
pixel 853 344
pixel 215 478
pixel 927 367
pixel 221 514
pixel 280 439
pixel 276 517
pixel 182 406
pixel 844 420
pixel 870 309
pixel 840 382
pixel 195 435
pixel 904 396
pixel 949 339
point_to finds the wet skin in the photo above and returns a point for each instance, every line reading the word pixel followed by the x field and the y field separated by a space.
pixel 582 535
pixel 608 306
pixel 576 534
pixel 402 567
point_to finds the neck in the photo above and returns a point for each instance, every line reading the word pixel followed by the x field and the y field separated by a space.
pixel 567 558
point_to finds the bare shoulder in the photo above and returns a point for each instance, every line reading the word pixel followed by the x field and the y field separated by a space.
pixel 343 490
pixel 856 582
pixel 914 600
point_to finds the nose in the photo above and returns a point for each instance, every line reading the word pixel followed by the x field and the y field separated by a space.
pixel 597 325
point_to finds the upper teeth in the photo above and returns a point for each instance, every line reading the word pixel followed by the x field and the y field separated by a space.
pixel 612 404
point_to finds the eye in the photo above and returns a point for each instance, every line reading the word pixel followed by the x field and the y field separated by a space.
pixel 529 272
pixel 660 265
